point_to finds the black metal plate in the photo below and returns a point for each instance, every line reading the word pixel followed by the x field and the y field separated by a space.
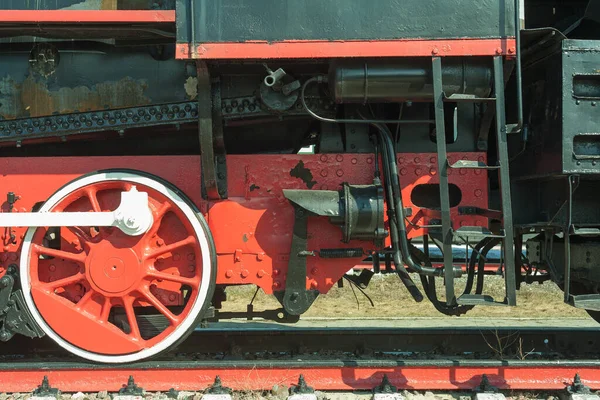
pixel 211 21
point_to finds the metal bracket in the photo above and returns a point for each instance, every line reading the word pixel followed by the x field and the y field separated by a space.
pixel 14 315
pixel 210 131
pixel 296 299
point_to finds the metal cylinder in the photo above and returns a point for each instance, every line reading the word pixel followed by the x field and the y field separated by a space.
pixel 407 79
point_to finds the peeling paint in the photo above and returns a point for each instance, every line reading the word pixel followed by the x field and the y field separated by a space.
pixel 300 171
pixel 254 187
pixel 33 98
pixel 93 5
pixel 191 87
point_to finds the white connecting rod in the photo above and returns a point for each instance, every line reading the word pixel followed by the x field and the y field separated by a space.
pixel 133 216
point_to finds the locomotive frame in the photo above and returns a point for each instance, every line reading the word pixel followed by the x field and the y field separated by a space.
pixel 407 116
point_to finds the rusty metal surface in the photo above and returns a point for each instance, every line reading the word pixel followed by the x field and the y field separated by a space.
pixel 88 81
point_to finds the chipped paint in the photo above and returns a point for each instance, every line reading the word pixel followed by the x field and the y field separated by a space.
pixel 191 87
pixel 300 171
pixel 33 97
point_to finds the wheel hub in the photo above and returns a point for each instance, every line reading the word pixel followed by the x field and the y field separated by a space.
pixel 111 270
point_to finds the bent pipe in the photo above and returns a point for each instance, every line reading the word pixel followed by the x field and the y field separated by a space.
pixel 393 177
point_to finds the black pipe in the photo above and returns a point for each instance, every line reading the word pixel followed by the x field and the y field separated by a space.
pixel 396 255
pixel 393 177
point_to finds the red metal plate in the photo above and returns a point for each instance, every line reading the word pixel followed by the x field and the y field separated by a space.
pixel 86 16
pixel 350 48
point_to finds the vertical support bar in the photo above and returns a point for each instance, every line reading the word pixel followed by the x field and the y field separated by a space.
pixel 440 135
pixel 501 137
pixel 567 240
pixel 210 132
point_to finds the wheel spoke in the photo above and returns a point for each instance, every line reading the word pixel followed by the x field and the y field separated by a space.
pixel 63 282
pixel 193 282
pixel 84 300
pixel 173 319
pixel 105 312
pixel 158 216
pixel 92 195
pixel 170 247
pixel 133 324
pixel 47 251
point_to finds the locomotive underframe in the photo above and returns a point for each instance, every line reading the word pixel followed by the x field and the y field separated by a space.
pixel 424 109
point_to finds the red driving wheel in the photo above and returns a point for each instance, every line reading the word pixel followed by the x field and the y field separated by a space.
pixel 115 297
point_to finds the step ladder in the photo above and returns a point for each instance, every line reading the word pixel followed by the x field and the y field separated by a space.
pixel 464 233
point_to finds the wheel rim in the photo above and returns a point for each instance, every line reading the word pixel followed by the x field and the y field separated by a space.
pixel 93 293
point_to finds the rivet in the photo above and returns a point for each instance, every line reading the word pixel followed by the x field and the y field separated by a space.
pixel 400 160
pixel 192 268
pixel 369 160
pixel 323 158
pixel 176 257
pixel 339 172
pixel 418 171
pixel 260 273
pixel 191 257
pixel 324 173
pixel 593 104
pixel 435 51
pixel 578 102
pixel 314 285
pixel 52 267
pixel 260 256
pixel 324 187
pixel 276 272
pixel 354 161
pixel 511 50
pixel 160 242
pixel 244 273
pixel 228 273
pixel 417 160
pixel 499 50
pixel 463 171
pixel 339 158
pixel 276 284
pixel 172 297
pixel 578 162
pixel 314 271
pixel 478 192
pixel 403 171
pixel 432 171
pixel 432 160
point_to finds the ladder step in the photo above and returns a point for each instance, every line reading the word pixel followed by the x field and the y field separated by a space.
pixel 586 231
pixel 470 164
pixel 467 98
pixel 476 232
pixel 586 301
pixel 477 300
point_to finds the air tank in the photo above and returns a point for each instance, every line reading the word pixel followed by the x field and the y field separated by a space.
pixel 407 79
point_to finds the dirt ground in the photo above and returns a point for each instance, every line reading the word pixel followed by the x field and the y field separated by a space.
pixel 391 299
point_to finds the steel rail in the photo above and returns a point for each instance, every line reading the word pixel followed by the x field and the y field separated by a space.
pixel 256 358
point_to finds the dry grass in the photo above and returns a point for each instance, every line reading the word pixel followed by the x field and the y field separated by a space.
pixel 392 300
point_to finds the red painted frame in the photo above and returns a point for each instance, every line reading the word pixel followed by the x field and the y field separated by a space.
pixel 253 228
pixel 86 16
pixel 350 48
pixel 523 376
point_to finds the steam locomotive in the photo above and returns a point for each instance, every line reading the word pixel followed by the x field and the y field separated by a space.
pixel 154 153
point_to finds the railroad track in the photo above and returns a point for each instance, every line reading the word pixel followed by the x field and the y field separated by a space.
pixel 330 359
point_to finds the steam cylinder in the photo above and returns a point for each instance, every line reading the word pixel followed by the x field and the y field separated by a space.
pixel 408 79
